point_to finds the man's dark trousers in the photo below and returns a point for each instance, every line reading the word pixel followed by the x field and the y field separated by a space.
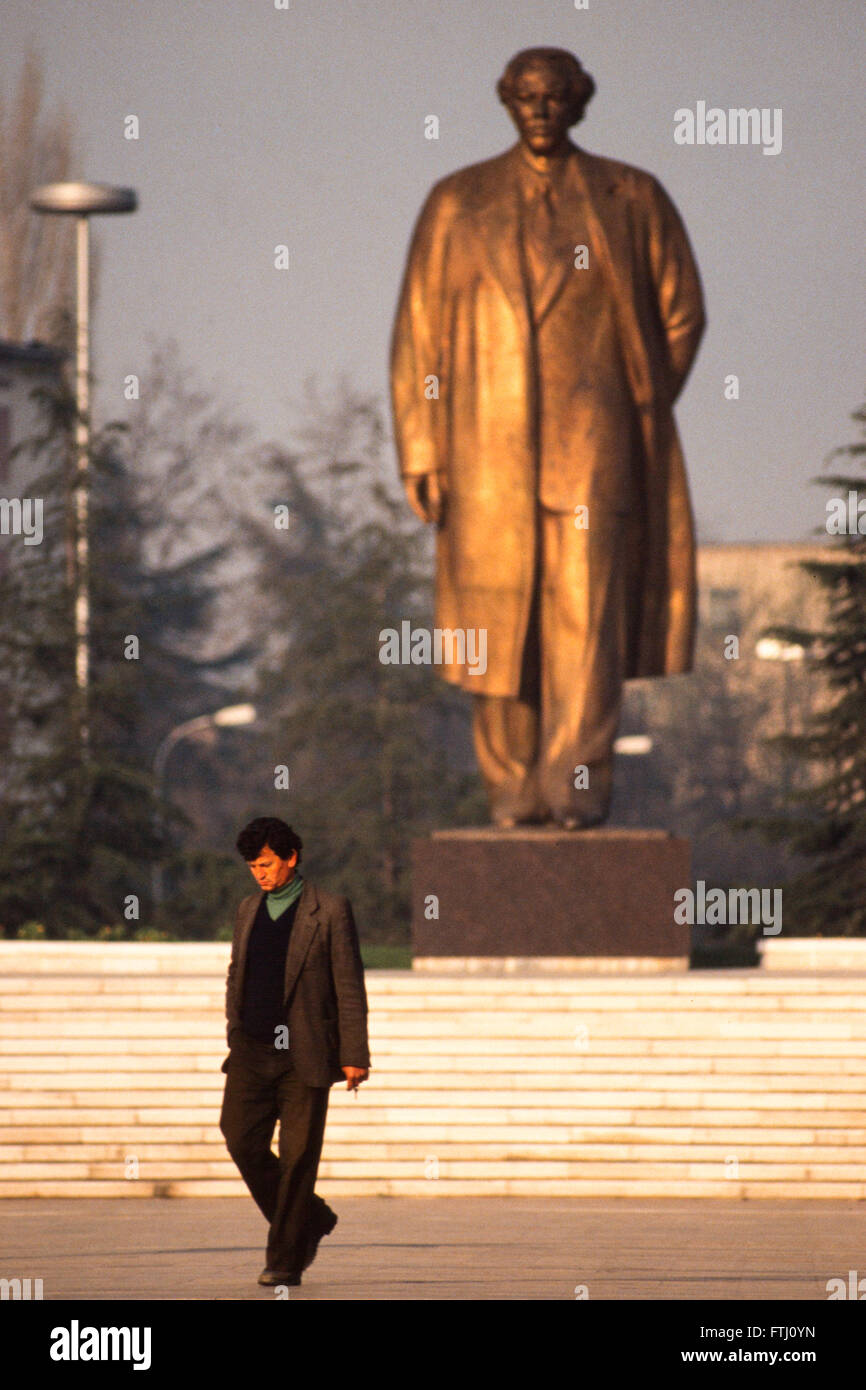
pixel 262 1087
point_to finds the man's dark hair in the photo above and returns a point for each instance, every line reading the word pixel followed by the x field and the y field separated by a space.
pixel 271 833
pixel 580 85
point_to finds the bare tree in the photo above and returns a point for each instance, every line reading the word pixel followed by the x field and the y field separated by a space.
pixel 37 256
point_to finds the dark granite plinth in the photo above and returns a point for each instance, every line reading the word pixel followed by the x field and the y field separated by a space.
pixel 541 892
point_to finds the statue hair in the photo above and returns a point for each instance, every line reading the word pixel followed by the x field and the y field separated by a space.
pixel 581 86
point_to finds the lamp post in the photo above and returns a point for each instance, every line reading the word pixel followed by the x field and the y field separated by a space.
pixel 229 717
pixel 82 200
pixel 772 649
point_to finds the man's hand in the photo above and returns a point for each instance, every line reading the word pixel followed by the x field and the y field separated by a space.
pixel 426 496
pixel 354 1076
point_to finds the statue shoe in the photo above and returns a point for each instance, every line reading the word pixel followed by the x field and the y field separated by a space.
pixel 569 820
pixel 505 822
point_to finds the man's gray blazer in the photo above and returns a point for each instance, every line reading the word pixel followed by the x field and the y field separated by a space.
pixel 325 997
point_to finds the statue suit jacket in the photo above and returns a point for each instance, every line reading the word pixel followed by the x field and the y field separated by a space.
pixel 465 399
pixel 325 997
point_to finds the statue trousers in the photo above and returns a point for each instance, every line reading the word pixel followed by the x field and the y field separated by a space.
pixel 548 751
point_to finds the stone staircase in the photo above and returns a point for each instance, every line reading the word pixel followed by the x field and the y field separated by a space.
pixel 747 1083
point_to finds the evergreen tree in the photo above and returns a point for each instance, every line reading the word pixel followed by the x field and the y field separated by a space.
pixel 825 822
pixel 80 834
pixel 376 753
pixel 37 254
pixel 36 669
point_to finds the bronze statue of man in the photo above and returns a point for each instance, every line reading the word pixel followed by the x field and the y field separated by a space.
pixel 550 312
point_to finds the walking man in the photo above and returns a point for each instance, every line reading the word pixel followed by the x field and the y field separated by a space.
pixel 296 1011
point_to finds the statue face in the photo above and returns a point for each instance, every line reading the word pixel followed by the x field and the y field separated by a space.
pixel 540 108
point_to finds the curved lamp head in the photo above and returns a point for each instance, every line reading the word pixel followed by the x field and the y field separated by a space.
pixel 633 745
pixel 83 198
pixel 771 649
pixel 233 716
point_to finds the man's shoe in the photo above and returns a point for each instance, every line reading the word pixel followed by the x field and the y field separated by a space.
pixel 277 1276
pixel 318 1228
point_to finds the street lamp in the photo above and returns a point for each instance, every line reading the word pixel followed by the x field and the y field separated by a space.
pixel 229 717
pixel 772 649
pixel 633 745
pixel 82 200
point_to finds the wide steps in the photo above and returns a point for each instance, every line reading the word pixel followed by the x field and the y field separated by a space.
pixel 729 1083
pixel 335 1188
pixel 39 1088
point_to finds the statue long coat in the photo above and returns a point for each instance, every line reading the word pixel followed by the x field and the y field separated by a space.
pixel 463 318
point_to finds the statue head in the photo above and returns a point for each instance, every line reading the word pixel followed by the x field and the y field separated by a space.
pixel 546 91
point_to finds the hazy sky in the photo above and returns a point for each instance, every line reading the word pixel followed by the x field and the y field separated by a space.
pixel 305 126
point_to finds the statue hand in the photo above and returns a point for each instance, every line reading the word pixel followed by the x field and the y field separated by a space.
pixel 426 496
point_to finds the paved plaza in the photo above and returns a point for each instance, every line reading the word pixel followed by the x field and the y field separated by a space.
pixel 465 1249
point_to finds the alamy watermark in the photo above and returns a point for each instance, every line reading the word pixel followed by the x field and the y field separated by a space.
pixel 443 646
pixel 20 1289
pixel 717 907
pixel 77 1343
pixel 846 516
pixel 22 516
pixel 855 1288
pixel 738 125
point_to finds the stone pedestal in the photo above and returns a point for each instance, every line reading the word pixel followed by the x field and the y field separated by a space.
pixel 542 896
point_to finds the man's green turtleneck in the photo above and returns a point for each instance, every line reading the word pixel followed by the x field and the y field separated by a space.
pixel 280 898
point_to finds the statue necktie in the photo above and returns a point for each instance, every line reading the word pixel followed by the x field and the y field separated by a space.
pixel 540 229
pixel 543 213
